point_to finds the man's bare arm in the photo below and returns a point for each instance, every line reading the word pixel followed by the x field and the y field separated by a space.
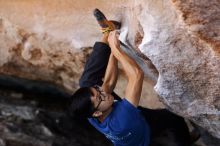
pixel 133 71
pixel 111 75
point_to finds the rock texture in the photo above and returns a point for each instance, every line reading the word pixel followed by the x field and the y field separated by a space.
pixel 187 62
pixel 176 42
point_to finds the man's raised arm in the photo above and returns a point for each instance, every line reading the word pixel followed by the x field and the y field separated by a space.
pixel 133 72
pixel 111 75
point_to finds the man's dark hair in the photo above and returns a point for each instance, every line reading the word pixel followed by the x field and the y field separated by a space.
pixel 81 104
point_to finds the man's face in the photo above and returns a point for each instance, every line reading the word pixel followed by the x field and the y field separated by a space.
pixel 100 99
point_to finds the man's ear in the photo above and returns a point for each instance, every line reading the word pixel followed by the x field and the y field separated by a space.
pixel 97 114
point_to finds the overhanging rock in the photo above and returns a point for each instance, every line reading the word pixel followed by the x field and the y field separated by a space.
pixel 182 41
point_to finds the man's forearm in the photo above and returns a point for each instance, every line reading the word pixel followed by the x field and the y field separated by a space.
pixel 130 66
pixel 111 75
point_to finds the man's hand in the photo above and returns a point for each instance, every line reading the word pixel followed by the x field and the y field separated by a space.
pixel 114 44
pixel 113 39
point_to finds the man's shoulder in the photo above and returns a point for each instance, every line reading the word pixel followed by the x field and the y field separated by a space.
pixel 125 104
pixel 124 110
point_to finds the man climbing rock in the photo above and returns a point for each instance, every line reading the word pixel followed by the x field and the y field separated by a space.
pixel 121 121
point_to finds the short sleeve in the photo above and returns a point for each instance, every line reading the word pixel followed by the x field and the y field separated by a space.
pixel 125 115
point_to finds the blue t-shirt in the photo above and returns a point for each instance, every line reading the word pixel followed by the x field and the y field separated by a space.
pixel 124 126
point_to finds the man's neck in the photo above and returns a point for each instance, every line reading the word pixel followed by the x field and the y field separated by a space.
pixel 105 115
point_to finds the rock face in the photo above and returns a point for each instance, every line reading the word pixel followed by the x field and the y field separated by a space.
pixel 182 41
pixel 176 42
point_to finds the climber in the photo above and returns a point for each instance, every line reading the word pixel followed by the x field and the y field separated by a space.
pixel 122 121
pixel 111 118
